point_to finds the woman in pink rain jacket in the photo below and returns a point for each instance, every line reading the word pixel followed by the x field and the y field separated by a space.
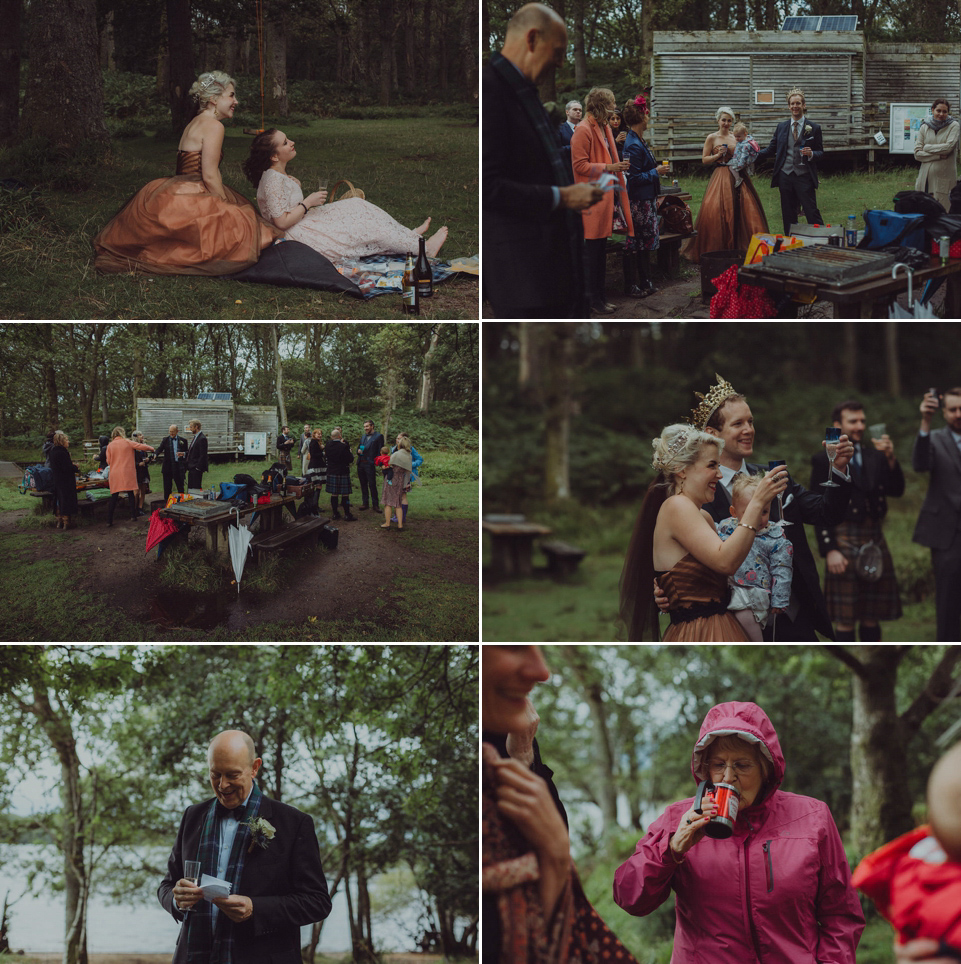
pixel 776 892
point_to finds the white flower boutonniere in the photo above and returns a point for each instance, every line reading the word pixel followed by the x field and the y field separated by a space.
pixel 261 831
pixel 808 128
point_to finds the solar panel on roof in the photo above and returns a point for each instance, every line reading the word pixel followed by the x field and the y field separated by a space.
pixel 800 23
pixel 839 23
pixel 214 396
pixel 820 23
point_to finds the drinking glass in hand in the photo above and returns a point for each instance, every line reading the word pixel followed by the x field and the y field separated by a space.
pixel 771 466
pixel 192 873
pixel 831 438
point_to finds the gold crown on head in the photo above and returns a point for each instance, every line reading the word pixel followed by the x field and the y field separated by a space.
pixel 711 402
pixel 793 91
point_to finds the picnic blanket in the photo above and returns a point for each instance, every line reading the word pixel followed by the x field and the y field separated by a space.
pixel 382 274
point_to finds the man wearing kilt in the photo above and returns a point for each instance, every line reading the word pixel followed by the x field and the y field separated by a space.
pixel 339 457
pixel 856 592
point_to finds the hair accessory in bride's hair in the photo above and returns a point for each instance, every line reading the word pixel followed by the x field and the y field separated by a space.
pixel 661 463
pixel 711 402
pixel 641 101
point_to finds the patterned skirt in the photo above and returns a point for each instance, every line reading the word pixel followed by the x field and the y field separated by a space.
pixel 338 485
pixel 644 215
pixel 317 476
pixel 850 599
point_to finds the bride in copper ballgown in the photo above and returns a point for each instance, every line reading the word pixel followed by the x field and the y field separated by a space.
pixel 191 223
pixel 729 216
pixel 675 542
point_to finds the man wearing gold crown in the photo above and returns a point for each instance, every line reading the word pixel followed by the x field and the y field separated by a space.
pixel 797 149
pixel 724 412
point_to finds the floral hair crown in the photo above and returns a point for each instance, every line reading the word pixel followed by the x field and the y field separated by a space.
pixel 711 402
pixel 661 463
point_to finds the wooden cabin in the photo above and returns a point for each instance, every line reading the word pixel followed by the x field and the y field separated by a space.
pixel 848 84
pixel 224 421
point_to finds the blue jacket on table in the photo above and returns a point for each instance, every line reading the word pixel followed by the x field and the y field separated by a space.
pixel 643 181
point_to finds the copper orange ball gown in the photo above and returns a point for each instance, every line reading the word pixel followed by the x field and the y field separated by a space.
pixel 174 225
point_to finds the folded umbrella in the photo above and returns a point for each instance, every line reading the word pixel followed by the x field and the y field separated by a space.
pixel 238 541
pixel 159 530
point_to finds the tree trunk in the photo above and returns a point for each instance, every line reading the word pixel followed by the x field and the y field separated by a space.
pixel 275 83
pixel 10 69
pixel 60 735
pixel 64 95
pixel 555 390
pixel 580 52
pixel 386 42
pixel 891 356
pixel 180 74
pixel 107 43
pixel 849 355
pixel 278 372
pixel 427 377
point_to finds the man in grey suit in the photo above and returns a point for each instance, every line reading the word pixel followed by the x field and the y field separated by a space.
pixel 939 524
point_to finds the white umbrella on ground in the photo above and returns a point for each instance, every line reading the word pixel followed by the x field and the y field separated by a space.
pixel 238 540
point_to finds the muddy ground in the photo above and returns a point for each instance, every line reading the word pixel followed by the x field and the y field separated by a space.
pixel 340 584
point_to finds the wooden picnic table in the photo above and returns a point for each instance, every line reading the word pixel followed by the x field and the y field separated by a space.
pixel 512 545
pixel 215 525
pixel 47 498
pixel 867 298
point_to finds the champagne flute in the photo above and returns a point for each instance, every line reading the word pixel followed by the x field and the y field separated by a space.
pixel 771 466
pixel 192 873
pixel 831 437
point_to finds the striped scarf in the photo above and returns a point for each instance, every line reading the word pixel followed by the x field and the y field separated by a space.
pixel 208 944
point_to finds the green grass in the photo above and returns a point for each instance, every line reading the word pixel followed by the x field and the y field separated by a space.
pixel 412 168
pixel 838 195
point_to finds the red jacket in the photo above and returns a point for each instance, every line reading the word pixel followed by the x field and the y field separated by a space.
pixel 776 892
pixel 915 887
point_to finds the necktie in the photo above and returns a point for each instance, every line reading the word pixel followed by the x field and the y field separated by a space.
pixel 856 463
pixel 795 130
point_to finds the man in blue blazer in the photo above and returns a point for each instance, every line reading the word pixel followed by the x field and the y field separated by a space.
pixel 268 852
pixel 939 524
pixel 566 130
pixel 797 149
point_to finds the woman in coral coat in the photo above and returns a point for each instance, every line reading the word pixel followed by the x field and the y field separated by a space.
pixel 594 153
pixel 123 471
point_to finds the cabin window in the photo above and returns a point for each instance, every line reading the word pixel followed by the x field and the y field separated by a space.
pixel 764 97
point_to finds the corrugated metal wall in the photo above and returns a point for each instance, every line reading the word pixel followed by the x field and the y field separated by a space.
pixel 220 424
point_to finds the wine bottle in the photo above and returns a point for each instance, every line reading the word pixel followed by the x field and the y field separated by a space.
pixel 423 276
pixel 410 300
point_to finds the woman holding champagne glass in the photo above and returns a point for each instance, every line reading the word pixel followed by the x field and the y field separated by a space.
pixel 350 228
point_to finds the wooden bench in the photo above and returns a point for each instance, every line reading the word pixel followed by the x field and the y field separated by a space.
pixel 562 558
pixel 512 544
pixel 668 251
pixel 277 540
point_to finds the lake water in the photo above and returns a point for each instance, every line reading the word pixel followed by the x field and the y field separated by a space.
pixel 37 926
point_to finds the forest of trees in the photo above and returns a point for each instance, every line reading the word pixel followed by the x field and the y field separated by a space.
pixel 377 743
pixel 579 392
pixel 368 51
pixel 84 375
pixel 621 34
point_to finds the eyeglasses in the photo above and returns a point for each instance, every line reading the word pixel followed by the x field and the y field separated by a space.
pixel 742 769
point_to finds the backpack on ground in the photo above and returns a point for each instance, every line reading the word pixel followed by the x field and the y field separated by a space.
pixel 676 214
pixel 36 478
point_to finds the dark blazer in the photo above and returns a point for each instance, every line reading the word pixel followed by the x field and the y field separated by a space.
pixel 868 495
pixel 940 514
pixel 339 456
pixel 779 147
pixel 643 181
pixel 197 454
pixel 285 882
pixel 169 448
pixel 804 508
pixel 528 263
pixel 369 448
pixel 565 131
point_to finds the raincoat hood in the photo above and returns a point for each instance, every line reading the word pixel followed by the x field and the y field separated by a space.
pixel 749 722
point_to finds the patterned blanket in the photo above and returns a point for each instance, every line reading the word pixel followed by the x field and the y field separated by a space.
pixel 382 274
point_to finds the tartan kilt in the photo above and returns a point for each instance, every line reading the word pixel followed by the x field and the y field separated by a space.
pixel 338 485
pixel 851 599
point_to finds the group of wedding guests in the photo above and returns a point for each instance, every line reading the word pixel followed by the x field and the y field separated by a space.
pixel 193 223
pixel 601 139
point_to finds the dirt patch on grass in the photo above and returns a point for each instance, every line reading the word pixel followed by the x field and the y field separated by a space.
pixel 350 583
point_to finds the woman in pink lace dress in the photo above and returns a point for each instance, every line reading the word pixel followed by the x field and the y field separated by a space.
pixel 350 228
